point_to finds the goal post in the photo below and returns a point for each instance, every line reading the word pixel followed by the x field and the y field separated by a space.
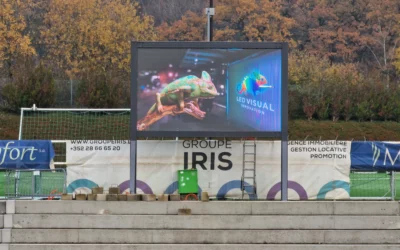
pixel 71 124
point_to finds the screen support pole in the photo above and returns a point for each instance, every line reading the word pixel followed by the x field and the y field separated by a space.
pixel 284 168
pixel 132 179
pixel 285 127
pixel 208 26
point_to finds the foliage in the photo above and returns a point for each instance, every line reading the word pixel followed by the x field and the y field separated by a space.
pixel 13 40
pixel 93 34
pixel 36 88
pixel 252 20
pixel 100 89
pixel 338 92
pixel 344 61
pixel 190 28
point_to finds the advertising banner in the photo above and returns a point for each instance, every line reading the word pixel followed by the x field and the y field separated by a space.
pixel 254 87
pixel 317 169
pixel 26 154
pixel 375 156
pixel 219 90
pixel 96 162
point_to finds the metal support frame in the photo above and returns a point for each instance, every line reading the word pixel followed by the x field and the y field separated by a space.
pixel 282 134
pixel 393 184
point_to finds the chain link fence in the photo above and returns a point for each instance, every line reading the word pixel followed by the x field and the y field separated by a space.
pixel 374 185
pixel 33 184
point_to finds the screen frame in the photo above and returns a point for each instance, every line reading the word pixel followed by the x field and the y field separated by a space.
pixel 135 46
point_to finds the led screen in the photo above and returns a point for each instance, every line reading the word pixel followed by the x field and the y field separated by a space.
pixel 227 90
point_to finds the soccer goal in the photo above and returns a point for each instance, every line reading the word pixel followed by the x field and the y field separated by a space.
pixel 59 125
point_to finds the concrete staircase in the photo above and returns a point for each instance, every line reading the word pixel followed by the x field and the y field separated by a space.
pixel 90 225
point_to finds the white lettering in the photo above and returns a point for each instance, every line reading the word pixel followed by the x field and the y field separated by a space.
pixel 32 150
pixel 387 155
pixel 257 104
pixel 23 153
pixel 11 153
pixel 5 152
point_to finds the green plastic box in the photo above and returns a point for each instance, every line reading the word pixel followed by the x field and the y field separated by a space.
pixel 187 181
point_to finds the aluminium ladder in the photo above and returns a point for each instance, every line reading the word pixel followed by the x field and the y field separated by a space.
pixel 249 168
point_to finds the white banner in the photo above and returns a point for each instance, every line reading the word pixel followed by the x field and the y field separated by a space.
pixel 96 162
pixel 317 169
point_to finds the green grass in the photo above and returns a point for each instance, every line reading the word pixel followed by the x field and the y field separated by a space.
pixel 351 130
pixel 372 185
pixel 2 183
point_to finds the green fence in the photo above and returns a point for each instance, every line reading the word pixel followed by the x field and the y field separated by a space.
pixel 18 184
pixel 374 185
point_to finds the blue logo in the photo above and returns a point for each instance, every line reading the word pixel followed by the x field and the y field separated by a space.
pixel 26 154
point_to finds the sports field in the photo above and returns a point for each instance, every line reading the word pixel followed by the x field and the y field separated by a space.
pixel 373 185
pixel 362 184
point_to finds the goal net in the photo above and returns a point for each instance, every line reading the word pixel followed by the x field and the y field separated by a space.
pixel 71 124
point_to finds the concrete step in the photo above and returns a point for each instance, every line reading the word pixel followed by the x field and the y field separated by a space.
pixel 122 236
pixel 213 207
pixel 199 247
pixel 228 222
pixel 2 207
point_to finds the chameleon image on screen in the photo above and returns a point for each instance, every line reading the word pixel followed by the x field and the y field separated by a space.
pixel 183 95
pixel 253 84
pixel 185 88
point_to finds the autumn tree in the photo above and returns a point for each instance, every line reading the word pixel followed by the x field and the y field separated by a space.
pixel 93 33
pixel 234 20
pixel 328 28
pixel 35 85
pixel 169 11
pixel 90 39
pixel 252 20
pixel 14 42
pixel 383 31
pixel 191 27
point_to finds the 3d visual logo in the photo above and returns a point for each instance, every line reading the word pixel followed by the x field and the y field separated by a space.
pixel 253 84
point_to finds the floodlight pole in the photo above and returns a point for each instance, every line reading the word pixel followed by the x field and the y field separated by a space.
pixel 210 12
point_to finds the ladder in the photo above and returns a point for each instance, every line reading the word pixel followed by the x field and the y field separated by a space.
pixel 249 168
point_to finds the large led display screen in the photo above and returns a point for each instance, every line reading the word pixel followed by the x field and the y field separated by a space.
pixel 199 90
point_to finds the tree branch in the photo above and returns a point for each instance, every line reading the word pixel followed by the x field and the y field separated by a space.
pixel 190 109
pixel 380 65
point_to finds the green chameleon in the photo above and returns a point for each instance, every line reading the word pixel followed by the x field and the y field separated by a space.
pixel 185 88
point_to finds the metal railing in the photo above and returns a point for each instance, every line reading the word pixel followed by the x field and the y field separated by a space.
pixel 34 184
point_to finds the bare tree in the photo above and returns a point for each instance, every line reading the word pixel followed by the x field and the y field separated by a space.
pixel 171 10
